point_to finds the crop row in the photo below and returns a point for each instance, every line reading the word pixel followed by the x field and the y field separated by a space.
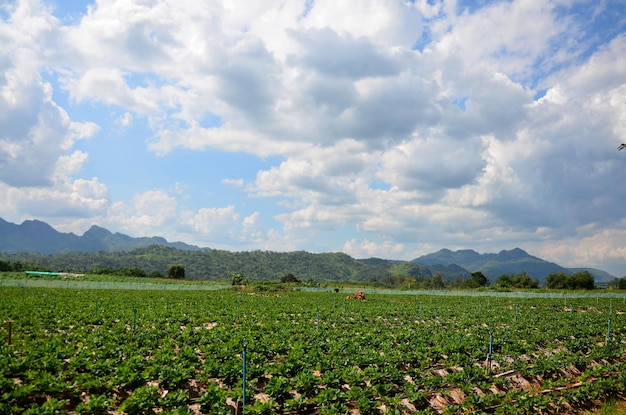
pixel 96 351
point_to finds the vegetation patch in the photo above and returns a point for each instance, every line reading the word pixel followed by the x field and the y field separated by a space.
pixel 85 351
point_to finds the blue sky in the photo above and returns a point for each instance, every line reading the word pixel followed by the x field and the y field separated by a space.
pixel 379 128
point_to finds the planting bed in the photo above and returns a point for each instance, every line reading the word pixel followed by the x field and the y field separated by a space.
pixel 182 352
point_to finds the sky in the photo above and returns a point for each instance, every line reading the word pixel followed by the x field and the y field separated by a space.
pixel 378 128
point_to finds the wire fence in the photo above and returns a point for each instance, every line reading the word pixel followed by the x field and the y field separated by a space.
pixel 505 294
pixel 112 285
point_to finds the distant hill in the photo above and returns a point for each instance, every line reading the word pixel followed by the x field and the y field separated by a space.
pixel 37 236
pixel 505 262
pixel 217 264
pixel 36 242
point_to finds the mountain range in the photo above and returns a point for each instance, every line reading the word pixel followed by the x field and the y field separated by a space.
pixel 505 262
pixel 34 241
pixel 38 236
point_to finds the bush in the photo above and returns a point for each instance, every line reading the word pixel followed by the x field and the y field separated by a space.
pixel 521 280
pixel 176 271
pixel 289 278
pixel 156 274
pixel 580 280
pixel 237 278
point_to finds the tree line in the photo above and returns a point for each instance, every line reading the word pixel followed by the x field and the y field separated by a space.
pixel 167 262
pixel 580 280
pixel 176 271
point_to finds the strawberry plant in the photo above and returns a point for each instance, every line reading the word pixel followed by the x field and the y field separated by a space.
pixel 142 401
pixel 170 351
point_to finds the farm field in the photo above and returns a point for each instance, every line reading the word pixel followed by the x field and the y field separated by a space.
pixel 95 351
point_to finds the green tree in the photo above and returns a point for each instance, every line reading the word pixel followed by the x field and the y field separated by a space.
pixel 621 284
pixel 237 278
pixel 523 280
pixel 556 280
pixel 504 281
pixel 437 281
pixel 176 271
pixel 5 266
pixel 477 280
pixel 582 280
pixel 289 278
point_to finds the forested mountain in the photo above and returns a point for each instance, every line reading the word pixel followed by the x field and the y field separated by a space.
pixel 37 243
pixel 217 264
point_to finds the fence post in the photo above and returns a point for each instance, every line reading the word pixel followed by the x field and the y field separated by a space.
pixel 243 402
pixel 318 319
pixel 489 356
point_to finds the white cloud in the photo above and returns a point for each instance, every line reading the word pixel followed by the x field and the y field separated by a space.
pixel 252 232
pixel 180 189
pixel 152 212
pixel 108 85
pixel 588 246
pixel 506 37
pixel 155 205
pixel 341 55
pixel 125 120
pixel 367 248
pixel 389 22
pixel 83 129
pixel 71 164
pixel 431 164
pixel 61 202
pixel 35 132
pixel 405 121
pixel 215 223
pixel 233 182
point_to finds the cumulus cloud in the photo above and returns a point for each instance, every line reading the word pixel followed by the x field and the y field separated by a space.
pixel 505 37
pixel 389 22
pixel 35 132
pixel 488 125
pixel 157 212
pixel 341 55
pixel 367 248
pixel 325 176
pixel 431 164
pixel 215 223
pixel 76 199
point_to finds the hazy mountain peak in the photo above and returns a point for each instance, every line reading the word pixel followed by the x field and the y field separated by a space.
pixel 96 230
pixel 515 253
pixel 37 236
pixel 35 224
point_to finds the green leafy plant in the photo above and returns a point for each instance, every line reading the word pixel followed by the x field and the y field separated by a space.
pixel 143 400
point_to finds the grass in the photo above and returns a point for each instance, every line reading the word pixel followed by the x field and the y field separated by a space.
pixel 611 407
